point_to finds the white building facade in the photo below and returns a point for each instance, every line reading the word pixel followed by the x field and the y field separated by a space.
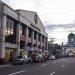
pixel 21 32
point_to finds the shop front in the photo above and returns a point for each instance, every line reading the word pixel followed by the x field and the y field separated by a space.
pixel 9 54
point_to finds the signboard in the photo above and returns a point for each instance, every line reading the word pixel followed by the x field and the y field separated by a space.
pixel 30 49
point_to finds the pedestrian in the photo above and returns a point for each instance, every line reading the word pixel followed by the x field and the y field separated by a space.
pixel 33 56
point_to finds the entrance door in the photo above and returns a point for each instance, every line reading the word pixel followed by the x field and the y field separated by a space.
pixel 9 54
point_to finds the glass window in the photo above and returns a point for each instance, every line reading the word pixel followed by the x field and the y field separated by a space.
pixel 22 30
pixel 9 27
pixel 10 31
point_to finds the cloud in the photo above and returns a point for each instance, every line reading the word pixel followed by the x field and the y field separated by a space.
pixel 55 14
pixel 59 31
pixel 7 2
pixel 38 3
pixel 53 26
pixel 59 34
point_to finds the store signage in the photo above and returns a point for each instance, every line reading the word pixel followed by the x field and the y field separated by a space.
pixel 35 27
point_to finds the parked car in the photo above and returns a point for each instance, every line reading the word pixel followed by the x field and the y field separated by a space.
pixel 21 60
pixel 27 59
pixel 18 60
pixel 52 57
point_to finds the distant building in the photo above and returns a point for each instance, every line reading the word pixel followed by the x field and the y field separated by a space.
pixel 69 48
pixel 54 49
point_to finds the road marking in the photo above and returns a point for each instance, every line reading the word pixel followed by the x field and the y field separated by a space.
pixel 52 73
pixel 62 65
pixel 49 62
pixel 17 72
pixel 43 65
pixel 54 62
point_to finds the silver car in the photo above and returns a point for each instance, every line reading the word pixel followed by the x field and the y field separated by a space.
pixel 18 60
pixel 52 57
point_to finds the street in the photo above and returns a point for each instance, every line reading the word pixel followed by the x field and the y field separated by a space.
pixel 62 66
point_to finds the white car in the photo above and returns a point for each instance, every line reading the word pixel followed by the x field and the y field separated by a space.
pixel 18 60
pixel 27 59
pixel 21 60
pixel 52 57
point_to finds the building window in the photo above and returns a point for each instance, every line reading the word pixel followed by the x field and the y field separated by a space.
pixel 22 30
pixel 30 33
pixel 9 27
pixel 39 37
pixel 10 32
pixel 35 35
pixel 43 39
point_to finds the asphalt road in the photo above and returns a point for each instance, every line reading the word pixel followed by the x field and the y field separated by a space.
pixel 63 66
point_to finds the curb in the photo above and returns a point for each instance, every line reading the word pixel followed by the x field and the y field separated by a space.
pixel 7 65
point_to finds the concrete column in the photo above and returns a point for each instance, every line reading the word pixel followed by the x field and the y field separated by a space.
pixel 32 38
pixel 45 42
pixel 37 40
pixel 26 38
pixel 2 38
pixel 41 41
pixel 18 39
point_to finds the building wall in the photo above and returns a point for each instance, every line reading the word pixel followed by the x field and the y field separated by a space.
pixel 29 17
pixel 54 49
pixel 22 18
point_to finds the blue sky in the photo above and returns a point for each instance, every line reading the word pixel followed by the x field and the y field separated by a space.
pixel 58 16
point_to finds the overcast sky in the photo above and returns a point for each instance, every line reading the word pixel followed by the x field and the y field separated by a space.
pixel 58 16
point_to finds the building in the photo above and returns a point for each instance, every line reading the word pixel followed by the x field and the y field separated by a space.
pixel 54 49
pixel 69 48
pixel 21 32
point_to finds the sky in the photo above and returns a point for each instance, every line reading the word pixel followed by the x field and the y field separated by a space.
pixel 58 16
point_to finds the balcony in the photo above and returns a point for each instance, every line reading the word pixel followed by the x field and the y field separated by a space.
pixel 22 38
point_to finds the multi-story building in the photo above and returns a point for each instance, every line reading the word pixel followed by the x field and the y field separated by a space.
pixel 54 49
pixel 21 32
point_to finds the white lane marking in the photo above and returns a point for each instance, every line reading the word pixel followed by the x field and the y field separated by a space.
pixel 54 62
pixel 62 65
pixel 52 73
pixel 48 62
pixel 17 72
pixel 43 65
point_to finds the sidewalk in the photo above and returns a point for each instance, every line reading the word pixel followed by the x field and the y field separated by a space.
pixel 5 65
